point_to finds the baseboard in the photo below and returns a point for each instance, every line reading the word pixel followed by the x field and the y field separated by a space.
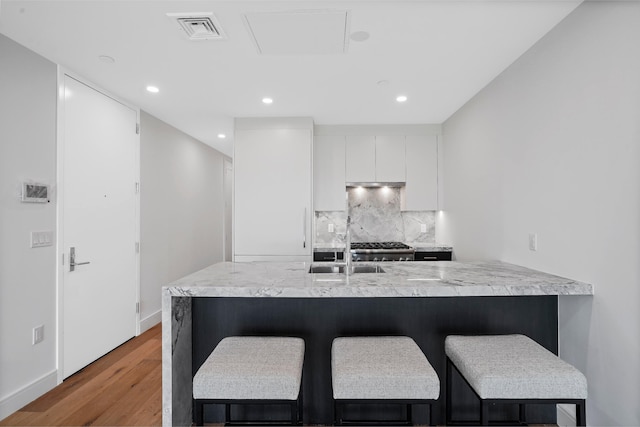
pixel 150 321
pixel 28 394
pixel 566 415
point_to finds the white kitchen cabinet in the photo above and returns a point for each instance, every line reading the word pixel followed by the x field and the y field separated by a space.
pixel 329 173
pixel 360 157
pixel 421 190
pixel 272 191
pixel 390 158
pixel 375 158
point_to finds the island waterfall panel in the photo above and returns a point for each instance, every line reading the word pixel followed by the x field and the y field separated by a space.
pixel 427 320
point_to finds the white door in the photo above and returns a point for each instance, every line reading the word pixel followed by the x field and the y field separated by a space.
pixel 98 221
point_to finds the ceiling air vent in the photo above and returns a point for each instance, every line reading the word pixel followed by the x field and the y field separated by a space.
pixel 199 26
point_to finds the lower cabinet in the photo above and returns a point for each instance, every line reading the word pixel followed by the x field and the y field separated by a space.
pixel 328 256
pixel 433 256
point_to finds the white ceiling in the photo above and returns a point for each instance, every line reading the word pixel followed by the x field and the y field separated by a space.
pixel 438 53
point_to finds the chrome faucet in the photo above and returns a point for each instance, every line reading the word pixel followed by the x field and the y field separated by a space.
pixel 347 247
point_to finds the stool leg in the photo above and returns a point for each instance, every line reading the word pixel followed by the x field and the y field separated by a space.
pixel 199 410
pixel 581 413
pixel 523 413
pixel 430 407
pixel 484 413
pixel 300 406
pixel 337 413
pixel 447 399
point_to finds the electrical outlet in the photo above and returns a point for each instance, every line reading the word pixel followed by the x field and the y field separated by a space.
pixel 423 228
pixel 331 228
pixel 533 242
pixel 38 334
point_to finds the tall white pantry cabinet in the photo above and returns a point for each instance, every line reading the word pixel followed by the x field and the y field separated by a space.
pixel 273 189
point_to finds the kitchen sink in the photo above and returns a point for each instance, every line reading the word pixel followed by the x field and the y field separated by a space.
pixel 340 269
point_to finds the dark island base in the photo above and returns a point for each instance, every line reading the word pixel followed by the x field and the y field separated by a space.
pixel 427 320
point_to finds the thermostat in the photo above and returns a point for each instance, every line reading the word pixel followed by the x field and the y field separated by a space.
pixel 35 193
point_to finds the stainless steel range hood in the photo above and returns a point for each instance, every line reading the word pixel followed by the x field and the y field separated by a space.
pixel 375 184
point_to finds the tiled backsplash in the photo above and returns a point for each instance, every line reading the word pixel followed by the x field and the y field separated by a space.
pixel 376 216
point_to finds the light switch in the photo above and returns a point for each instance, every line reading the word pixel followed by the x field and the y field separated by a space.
pixel 423 228
pixel 533 242
pixel 40 239
pixel 330 228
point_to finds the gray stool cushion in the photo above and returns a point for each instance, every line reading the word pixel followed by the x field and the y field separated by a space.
pixel 251 368
pixel 514 367
pixel 381 368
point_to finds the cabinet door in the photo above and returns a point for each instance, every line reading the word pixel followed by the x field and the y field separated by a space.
pixel 421 191
pixel 272 194
pixel 329 173
pixel 360 158
pixel 390 158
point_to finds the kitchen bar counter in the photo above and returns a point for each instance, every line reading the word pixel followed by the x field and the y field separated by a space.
pixel 400 279
pixel 426 301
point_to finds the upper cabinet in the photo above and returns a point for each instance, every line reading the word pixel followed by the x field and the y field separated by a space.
pixel 360 158
pixel 384 153
pixel 421 190
pixel 375 158
pixel 390 158
pixel 329 192
pixel 272 189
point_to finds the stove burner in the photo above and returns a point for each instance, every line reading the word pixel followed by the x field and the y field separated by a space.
pixel 379 245
pixel 381 251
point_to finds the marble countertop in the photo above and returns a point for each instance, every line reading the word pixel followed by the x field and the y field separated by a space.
pixel 401 279
pixel 426 247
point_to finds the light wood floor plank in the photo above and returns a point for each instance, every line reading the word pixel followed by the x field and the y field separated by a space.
pixel 122 388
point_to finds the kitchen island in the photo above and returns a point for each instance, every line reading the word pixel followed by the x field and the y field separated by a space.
pixel 425 301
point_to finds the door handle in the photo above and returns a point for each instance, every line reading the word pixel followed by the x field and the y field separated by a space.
pixel 72 260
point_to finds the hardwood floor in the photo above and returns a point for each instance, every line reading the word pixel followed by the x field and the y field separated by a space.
pixel 123 387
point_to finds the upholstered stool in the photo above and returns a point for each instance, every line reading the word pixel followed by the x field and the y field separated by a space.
pixel 251 370
pixel 513 369
pixel 374 370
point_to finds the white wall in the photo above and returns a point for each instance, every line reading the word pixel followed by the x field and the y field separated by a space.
pixel 552 147
pixel 27 276
pixel 181 209
pixel 181 219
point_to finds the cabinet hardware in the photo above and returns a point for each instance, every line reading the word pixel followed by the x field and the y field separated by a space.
pixel 304 228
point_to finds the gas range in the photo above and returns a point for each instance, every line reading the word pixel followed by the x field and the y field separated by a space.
pixel 381 251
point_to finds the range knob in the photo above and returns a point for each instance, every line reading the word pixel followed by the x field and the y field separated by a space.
pixel 375 259
pixel 384 259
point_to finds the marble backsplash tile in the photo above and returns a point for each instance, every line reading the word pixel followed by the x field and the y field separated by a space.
pixel 376 216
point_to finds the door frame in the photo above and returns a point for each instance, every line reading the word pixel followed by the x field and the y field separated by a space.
pixel 60 251
pixel 227 222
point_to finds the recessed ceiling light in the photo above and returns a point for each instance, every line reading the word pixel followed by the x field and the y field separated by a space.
pixel 106 59
pixel 267 101
pixel 222 136
pixel 359 36
pixel 401 98
pixel 153 89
